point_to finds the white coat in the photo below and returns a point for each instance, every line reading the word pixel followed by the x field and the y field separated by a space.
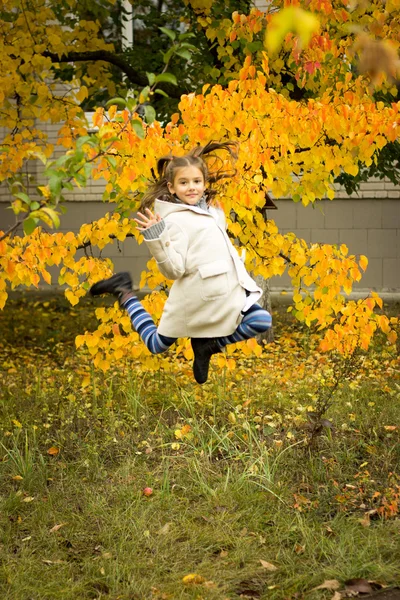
pixel 208 295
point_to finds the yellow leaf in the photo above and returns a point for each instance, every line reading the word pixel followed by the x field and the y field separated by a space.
pixel 290 19
pixel 232 418
pixel 363 262
pixel 193 578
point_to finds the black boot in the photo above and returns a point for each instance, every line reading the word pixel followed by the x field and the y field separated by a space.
pixel 117 285
pixel 203 349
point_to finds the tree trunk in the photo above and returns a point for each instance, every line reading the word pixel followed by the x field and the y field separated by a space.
pixel 265 302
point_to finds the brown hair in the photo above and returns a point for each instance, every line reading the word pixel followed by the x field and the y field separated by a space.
pixel 198 157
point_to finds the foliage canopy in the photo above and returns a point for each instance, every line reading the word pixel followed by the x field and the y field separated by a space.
pixel 308 89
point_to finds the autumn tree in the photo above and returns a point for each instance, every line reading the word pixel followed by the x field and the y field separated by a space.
pixel 308 102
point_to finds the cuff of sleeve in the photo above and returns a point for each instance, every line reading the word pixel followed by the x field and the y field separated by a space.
pixel 154 232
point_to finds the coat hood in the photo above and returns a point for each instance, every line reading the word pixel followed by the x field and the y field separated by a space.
pixel 165 208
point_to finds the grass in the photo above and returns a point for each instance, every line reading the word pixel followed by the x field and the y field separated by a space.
pixel 235 486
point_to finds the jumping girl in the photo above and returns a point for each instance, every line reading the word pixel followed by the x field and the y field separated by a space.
pixel 213 300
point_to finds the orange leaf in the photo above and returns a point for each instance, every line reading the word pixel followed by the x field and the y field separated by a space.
pixel 53 451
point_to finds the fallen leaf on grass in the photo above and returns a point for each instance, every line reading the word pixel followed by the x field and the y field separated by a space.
pixel 329 584
pixel 53 562
pixel 28 499
pixel 164 529
pixel 192 578
pixel 53 451
pixel 17 478
pixel 365 522
pixel 57 527
pixel 360 586
pixel 268 566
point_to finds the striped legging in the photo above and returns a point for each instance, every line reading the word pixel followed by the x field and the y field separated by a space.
pixel 255 320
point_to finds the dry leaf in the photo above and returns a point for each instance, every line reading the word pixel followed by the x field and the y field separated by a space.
pixel 164 529
pixel 329 584
pixel 361 586
pixel 53 562
pixel 57 527
pixel 365 522
pixel 28 499
pixel 299 549
pixel 53 451
pixel 268 566
pixel 17 478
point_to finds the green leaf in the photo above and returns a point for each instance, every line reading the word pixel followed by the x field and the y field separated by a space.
pixel 137 127
pixel 84 139
pixel 112 161
pixel 34 205
pixel 167 55
pixel 151 77
pixel 132 104
pixel 24 197
pixel 120 102
pixel 185 36
pixel 254 46
pixel 29 225
pixel 162 93
pixel 188 46
pixel 171 34
pixel 150 114
pixel 184 53
pixel 167 77
pixel 55 184
pixel 145 93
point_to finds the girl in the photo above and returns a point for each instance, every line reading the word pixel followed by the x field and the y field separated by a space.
pixel 213 300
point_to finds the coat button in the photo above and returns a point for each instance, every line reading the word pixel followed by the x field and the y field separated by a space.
pixel 167 243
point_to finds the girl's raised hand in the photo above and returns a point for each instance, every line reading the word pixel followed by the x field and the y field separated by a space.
pixel 147 220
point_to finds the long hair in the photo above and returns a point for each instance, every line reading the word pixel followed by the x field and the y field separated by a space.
pixel 204 158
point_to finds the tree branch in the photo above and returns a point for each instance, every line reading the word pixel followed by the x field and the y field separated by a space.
pixel 10 231
pixel 134 76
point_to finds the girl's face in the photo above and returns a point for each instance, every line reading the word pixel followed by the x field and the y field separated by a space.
pixel 188 185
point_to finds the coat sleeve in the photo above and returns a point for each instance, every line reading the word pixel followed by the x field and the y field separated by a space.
pixel 170 251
